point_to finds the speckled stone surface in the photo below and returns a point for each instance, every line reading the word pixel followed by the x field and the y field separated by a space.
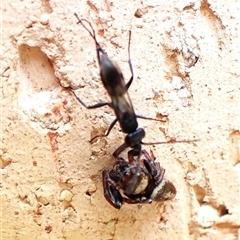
pixel 185 56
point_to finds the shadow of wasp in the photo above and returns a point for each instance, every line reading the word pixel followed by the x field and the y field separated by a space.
pixel 113 81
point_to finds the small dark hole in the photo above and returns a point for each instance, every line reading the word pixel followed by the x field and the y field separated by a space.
pixel 88 193
pixel 223 210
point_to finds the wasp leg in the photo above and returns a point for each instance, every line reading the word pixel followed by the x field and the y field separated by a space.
pixel 111 194
pixel 108 131
pixel 148 118
pixel 97 105
pixel 119 150
pixel 136 151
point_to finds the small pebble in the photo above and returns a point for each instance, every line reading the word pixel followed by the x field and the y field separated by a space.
pixel 92 188
pixel 207 216
pixel 43 195
pixel 65 195
pixel 44 19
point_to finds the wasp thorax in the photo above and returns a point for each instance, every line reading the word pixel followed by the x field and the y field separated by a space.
pixel 135 138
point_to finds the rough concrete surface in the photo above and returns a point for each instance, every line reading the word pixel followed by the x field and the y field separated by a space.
pixel 185 56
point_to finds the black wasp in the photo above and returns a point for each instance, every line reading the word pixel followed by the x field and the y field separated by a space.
pixel 140 180
pixel 113 81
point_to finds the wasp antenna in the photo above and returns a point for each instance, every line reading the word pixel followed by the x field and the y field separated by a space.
pixel 171 142
pixel 75 14
pixel 129 43
pixel 93 35
pixel 149 118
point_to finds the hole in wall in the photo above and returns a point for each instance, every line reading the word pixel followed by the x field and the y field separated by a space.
pixel 35 70
pixel 39 94
pixel 88 193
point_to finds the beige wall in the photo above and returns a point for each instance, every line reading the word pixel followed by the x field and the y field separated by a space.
pixel 51 175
